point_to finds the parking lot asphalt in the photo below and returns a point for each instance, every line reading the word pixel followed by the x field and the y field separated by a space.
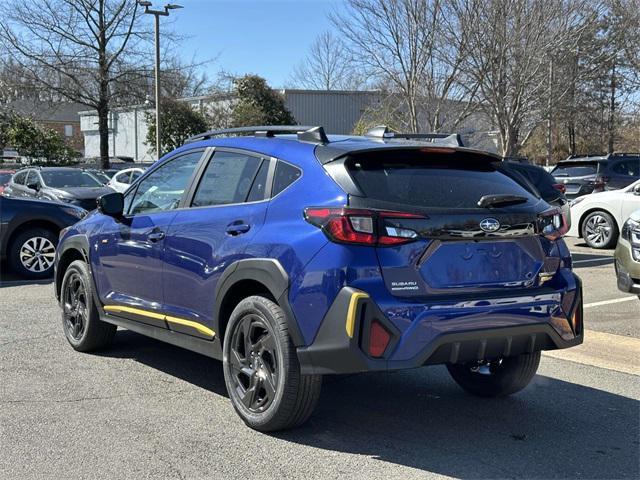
pixel 143 409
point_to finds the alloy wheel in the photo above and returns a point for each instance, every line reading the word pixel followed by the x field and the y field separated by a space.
pixel 75 306
pixel 598 231
pixel 253 363
pixel 37 254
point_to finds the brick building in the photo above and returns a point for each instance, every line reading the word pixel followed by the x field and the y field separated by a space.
pixel 61 117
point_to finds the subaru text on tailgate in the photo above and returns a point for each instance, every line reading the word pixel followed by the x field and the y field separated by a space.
pixel 289 254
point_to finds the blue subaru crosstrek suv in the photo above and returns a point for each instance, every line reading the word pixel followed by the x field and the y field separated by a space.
pixel 289 254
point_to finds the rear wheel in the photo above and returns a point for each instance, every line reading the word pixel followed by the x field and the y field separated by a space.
pixel 80 318
pixel 599 230
pixel 32 253
pixel 261 368
pixel 497 378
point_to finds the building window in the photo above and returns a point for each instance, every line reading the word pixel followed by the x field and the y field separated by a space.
pixel 68 130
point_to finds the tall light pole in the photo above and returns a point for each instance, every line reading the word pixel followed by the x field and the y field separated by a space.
pixel 157 14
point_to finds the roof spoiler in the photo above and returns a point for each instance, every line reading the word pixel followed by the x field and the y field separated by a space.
pixel 382 132
pixel 305 133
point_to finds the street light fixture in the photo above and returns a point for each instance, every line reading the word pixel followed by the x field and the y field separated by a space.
pixel 157 14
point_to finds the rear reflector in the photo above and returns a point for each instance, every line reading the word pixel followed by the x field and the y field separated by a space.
pixel 360 226
pixel 378 339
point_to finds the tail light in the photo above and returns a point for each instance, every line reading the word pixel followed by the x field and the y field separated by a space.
pixel 599 183
pixel 360 226
pixel 552 224
pixel 379 338
pixel 560 187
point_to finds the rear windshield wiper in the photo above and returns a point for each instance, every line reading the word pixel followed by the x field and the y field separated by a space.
pixel 501 200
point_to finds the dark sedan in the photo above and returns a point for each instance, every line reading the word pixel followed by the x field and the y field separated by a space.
pixel 69 185
pixel 29 231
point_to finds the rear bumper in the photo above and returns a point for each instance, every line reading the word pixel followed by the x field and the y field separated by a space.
pixel 437 338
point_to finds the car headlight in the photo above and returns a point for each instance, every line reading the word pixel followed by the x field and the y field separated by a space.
pixel 79 213
pixel 576 201
pixel 631 231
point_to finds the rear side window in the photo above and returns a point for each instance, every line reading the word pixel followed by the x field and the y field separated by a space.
pixel 627 167
pixel 285 175
pixel 430 180
pixel 227 179
pixel 578 169
pixel 20 177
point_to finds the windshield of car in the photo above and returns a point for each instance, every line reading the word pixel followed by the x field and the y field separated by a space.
pixel 68 178
pixel 4 178
pixel 434 181
pixel 101 176
pixel 577 169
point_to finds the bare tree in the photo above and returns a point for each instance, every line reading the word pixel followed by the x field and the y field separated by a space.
pixel 328 66
pixel 510 44
pixel 415 48
pixel 78 49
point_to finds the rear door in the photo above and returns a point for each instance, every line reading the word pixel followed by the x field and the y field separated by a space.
pixel 227 207
pixel 460 245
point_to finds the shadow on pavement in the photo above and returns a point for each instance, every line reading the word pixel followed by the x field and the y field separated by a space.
pixel 421 419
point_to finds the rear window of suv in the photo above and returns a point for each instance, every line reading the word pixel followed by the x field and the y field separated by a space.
pixel 430 180
pixel 577 169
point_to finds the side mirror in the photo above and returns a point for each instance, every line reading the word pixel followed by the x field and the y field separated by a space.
pixel 636 190
pixel 111 204
pixel 34 186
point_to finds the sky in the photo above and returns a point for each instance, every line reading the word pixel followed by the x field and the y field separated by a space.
pixel 267 38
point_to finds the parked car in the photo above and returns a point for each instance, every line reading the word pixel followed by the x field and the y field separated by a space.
pixel 29 232
pixel 627 255
pixel 123 179
pixel 69 185
pixel 5 178
pixel 288 255
pixel 545 185
pixel 597 173
pixel 598 218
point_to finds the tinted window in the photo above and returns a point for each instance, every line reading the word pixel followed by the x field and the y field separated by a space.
pixel 436 181
pixel 5 178
pixel 163 188
pixel 259 183
pixel 285 175
pixel 135 175
pixel 68 178
pixel 627 167
pixel 580 169
pixel 227 179
pixel 123 177
pixel 539 178
pixel 20 177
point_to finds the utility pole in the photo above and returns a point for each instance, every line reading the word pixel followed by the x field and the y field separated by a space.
pixel 157 14
pixel 550 114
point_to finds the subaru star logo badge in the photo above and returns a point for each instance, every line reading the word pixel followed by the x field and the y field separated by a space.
pixel 490 225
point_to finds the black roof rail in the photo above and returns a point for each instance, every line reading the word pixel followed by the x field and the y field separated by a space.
pixel 585 155
pixel 625 154
pixel 305 133
pixel 448 139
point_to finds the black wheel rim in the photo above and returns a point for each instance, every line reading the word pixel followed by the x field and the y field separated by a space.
pixel 253 363
pixel 75 306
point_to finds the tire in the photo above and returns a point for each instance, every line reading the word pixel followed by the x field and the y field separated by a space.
pixel 497 379
pixel 32 253
pixel 81 322
pixel 261 369
pixel 599 230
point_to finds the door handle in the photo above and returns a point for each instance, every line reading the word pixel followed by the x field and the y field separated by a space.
pixel 155 236
pixel 238 228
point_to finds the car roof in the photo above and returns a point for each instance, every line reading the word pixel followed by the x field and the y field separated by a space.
pixel 314 145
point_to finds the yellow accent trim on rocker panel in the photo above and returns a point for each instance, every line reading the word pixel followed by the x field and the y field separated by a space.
pixel 351 312
pixel 161 316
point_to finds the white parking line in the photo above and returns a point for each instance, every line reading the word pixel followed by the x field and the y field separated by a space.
pixel 608 302
pixel 599 259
